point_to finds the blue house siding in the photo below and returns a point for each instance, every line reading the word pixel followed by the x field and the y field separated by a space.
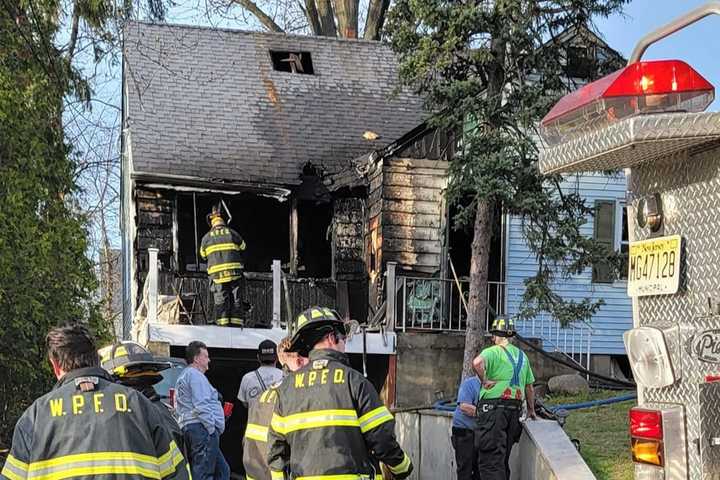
pixel 616 315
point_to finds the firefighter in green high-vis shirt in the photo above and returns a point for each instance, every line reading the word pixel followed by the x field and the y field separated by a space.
pixel 506 378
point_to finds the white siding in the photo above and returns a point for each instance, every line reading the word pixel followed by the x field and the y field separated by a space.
pixel 615 316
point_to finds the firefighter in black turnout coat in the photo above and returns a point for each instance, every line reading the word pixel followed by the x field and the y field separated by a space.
pixel 88 426
pixel 329 421
pixel 223 248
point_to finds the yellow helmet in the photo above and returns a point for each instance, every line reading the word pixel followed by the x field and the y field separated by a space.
pixel 502 327
pixel 131 364
pixel 313 324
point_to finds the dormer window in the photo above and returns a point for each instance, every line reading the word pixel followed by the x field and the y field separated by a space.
pixel 292 62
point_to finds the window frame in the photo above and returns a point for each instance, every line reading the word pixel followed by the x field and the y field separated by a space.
pixel 620 212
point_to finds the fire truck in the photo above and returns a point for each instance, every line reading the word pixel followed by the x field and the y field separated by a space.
pixel 649 120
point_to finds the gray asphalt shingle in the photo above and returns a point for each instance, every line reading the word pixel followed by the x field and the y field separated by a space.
pixel 207 103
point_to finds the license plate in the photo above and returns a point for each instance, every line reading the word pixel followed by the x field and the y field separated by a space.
pixel 654 266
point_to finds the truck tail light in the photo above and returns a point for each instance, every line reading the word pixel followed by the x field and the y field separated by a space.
pixel 642 87
pixel 647 451
pixel 646 423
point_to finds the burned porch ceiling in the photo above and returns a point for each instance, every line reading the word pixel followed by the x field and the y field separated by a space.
pixel 208 103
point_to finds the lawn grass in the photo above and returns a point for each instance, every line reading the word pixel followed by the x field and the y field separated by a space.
pixel 602 432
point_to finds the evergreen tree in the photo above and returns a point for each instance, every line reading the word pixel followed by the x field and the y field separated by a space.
pixel 46 278
pixel 491 70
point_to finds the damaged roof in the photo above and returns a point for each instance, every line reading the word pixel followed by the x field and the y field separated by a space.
pixel 207 103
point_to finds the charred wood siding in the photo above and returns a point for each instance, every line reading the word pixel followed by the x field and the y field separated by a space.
pixel 154 229
pixel 347 228
pixel 412 218
pixel 348 257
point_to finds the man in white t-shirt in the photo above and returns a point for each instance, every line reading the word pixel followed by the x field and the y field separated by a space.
pixel 257 381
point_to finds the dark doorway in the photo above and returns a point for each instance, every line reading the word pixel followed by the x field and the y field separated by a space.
pixel 314 239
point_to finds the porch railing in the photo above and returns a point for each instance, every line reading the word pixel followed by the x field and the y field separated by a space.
pixel 441 303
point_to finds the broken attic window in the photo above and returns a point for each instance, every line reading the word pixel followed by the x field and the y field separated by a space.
pixel 293 62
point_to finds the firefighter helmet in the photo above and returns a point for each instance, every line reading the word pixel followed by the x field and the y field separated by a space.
pixel 215 215
pixel 502 327
pixel 312 325
pixel 131 364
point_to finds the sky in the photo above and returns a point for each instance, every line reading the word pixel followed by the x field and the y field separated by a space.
pixel 698 44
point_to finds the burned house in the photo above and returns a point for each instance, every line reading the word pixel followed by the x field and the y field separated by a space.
pixel 270 124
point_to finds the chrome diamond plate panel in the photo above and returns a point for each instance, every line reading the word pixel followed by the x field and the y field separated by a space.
pixel 690 189
pixel 633 142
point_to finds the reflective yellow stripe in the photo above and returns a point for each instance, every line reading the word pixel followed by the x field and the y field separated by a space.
pixel 226 279
pixel 224 247
pixel 314 419
pixel 107 463
pixel 17 463
pixel 348 476
pixel 221 267
pixel 231 320
pixel 256 432
pixel 14 469
pixel 374 418
pixel 6 472
pixel 277 475
pixel 403 467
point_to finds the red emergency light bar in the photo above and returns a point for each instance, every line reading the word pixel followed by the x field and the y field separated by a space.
pixel 643 87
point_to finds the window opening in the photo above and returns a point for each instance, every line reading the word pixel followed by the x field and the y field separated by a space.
pixel 622 243
pixel 261 221
pixel 293 62
pixel 314 239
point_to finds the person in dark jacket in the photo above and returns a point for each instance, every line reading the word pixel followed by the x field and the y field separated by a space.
pixel 328 418
pixel 89 426
pixel 223 249
pixel 133 366
pixel 255 446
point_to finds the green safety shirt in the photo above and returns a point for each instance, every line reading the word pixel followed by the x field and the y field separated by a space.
pixel 498 368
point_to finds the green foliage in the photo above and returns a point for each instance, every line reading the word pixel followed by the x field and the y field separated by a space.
pixel 491 70
pixel 45 277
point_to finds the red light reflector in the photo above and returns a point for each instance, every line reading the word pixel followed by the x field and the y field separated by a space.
pixel 643 87
pixel 712 378
pixel 646 423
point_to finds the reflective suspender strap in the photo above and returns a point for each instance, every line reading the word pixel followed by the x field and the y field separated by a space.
pixel 277 475
pixel 517 367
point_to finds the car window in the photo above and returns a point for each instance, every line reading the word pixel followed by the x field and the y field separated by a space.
pixel 170 376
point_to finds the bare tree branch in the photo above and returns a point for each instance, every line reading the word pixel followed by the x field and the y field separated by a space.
pixel 375 19
pixel 267 22
pixel 73 32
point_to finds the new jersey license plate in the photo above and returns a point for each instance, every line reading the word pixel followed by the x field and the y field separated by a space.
pixel 654 266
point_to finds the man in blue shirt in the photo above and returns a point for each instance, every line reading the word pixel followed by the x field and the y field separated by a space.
pixel 200 415
pixel 463 426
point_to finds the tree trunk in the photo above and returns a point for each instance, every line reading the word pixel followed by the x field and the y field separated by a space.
pixel 327 18
pixel 313 19
pixel 347 18
pixel 477 303
pixel 482 231
pixel 375 19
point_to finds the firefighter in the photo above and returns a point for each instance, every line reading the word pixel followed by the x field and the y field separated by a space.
pixel 256 434
pixel 506 376
pixel 133 366
pixel 223 248
pixel 328 418
pixel 88 425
